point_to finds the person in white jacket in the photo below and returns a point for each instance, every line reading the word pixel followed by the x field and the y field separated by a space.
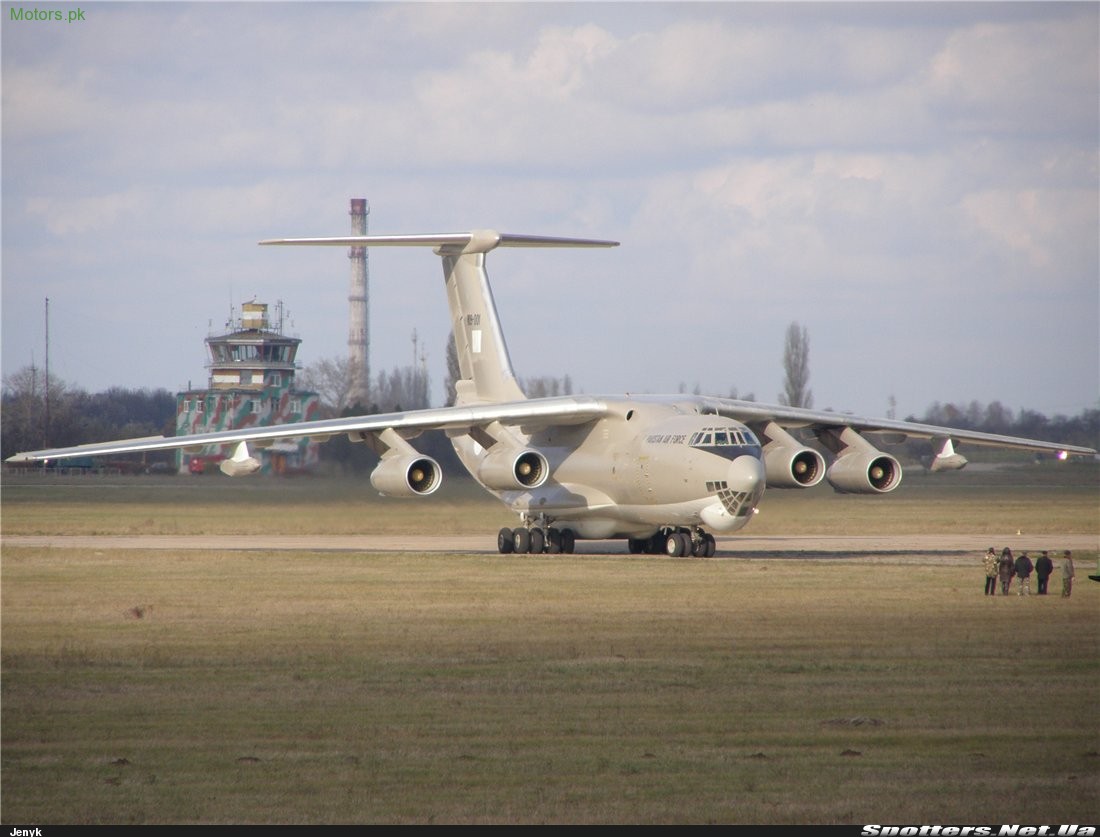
pixel 1067 574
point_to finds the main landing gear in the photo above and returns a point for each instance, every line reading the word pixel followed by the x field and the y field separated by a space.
pixel 536 540
pixel 675 543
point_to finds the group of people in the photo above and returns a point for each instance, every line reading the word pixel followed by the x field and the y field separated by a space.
pixel 1004 568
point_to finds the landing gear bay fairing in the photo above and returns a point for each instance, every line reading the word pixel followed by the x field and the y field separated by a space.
pixel 663 472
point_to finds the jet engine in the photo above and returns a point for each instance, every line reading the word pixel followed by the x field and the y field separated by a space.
pixel 859 467
pixel 512 470
pixel 787 463
pixel 864 472
pixel 407 476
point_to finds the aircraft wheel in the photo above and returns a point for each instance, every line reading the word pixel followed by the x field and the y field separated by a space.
pixel 521 541
pixel 553 541
pixel 636 546
pixel 711 545
pixel 538 542
pixel 699 547
pixel 568 541
pixel 674 546
pixel 505 543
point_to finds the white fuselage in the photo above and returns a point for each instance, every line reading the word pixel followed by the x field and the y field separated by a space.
pixel 643 467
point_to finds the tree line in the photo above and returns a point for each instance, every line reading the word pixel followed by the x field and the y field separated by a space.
pixel 36 416
pixel 39 414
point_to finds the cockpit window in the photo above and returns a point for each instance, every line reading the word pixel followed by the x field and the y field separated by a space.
pixel 722 437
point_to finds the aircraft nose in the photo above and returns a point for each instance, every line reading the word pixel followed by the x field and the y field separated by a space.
pixel 746 475
pixel 744 487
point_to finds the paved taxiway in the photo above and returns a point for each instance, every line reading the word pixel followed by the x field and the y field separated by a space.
pixel 877 548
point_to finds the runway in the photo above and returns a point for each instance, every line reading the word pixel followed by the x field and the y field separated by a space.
pixel 947 548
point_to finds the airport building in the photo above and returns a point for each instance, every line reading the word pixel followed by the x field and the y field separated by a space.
pixel 252 367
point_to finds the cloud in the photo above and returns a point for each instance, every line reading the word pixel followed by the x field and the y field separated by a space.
pixel 870 170
pixel 42 102
pixel 65 217
pixel 1001 77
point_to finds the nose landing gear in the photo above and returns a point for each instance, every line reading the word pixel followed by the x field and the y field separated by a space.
pixel 675 543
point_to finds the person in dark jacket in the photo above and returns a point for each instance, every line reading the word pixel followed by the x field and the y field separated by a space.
pixel 1006 568
pixel 1043 568
pixel 1023 572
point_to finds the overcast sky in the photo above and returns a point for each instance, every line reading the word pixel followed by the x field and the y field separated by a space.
pixel 916 184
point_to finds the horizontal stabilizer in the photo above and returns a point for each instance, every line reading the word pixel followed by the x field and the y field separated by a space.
pixel 477 241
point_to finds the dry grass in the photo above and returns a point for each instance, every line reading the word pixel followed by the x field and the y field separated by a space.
pixel 278 687
pixel 1050 498
pixel 218 505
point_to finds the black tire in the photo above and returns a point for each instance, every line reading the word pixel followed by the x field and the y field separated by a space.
pixel 674 546
pixel 553 541
pixel 521 541
pixel 685 544
pixel 538 542
pixel 505 543
pixel 568 541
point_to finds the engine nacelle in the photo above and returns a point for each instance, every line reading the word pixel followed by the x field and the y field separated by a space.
pixel 407 476
pixel 512 470
pixel 864 472
pixel 790 467
pixel 787 462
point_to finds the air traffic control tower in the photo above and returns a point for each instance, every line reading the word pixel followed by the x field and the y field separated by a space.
pixel 252 368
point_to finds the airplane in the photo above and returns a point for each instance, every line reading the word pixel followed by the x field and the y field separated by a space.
pixel 662 472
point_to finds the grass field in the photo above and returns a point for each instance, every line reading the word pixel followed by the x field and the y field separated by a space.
pixel 308 687
pixel 1052 498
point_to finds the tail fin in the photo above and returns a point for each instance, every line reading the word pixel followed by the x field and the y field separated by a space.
pixel 483 360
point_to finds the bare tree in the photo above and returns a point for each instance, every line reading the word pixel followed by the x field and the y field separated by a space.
pixel 454 374
pixel 402 388
pixel 749 396
pixel 331 378
pixel 796 367
pixel 537 386
pixel 24 402
pixel 544 386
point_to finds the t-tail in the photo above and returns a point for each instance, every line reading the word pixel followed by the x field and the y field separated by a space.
pixel 483 361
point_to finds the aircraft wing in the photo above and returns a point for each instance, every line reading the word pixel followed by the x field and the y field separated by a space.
pixel 544 412
pixel 796 418
pixel 531 413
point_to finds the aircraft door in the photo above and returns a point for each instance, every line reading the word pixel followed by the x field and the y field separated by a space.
pixel 631 476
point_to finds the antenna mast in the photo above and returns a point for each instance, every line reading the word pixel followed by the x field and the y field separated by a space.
pixel 46 424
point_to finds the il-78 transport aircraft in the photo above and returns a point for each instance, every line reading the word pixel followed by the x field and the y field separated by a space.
pixel 664 472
